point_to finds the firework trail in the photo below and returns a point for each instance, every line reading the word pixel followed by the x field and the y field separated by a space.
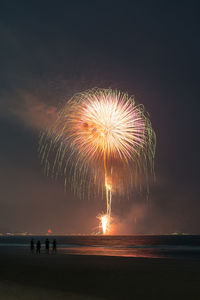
pixel 100 138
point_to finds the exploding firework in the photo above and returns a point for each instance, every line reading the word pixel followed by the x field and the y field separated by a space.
pixel 100 139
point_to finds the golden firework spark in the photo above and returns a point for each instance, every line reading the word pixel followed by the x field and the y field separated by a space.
pixel 104 225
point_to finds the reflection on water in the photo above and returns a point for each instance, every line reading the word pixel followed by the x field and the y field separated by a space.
pixel 134 246
pixel 123 252
pixel 124 246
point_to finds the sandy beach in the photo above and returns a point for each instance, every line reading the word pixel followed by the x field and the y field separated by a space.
pixel 60 276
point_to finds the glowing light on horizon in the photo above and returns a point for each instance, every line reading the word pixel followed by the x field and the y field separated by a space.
pixel 105 223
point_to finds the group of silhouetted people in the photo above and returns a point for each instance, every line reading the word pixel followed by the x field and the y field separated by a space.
pixel 47 246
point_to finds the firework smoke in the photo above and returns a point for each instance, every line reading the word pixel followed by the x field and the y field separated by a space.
pixel 100 139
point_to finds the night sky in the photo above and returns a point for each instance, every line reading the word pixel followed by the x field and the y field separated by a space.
pixel 51 49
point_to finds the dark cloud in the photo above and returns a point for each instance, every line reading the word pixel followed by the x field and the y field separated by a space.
pixel 33 112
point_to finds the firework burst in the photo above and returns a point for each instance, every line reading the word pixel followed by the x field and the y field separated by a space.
pixel 100 138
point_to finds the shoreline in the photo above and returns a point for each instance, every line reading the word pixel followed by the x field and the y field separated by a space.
pixel 65 276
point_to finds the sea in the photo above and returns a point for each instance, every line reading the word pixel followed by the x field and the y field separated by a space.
pixel 143 246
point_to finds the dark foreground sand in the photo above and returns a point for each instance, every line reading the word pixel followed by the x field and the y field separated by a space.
pixel 60 276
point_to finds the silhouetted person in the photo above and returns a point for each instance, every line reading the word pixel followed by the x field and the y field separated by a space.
pixel 47 245
pixel 32 246
pixel 54 245
pixel 38 247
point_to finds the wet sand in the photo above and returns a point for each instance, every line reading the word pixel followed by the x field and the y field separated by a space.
pixel 61 276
